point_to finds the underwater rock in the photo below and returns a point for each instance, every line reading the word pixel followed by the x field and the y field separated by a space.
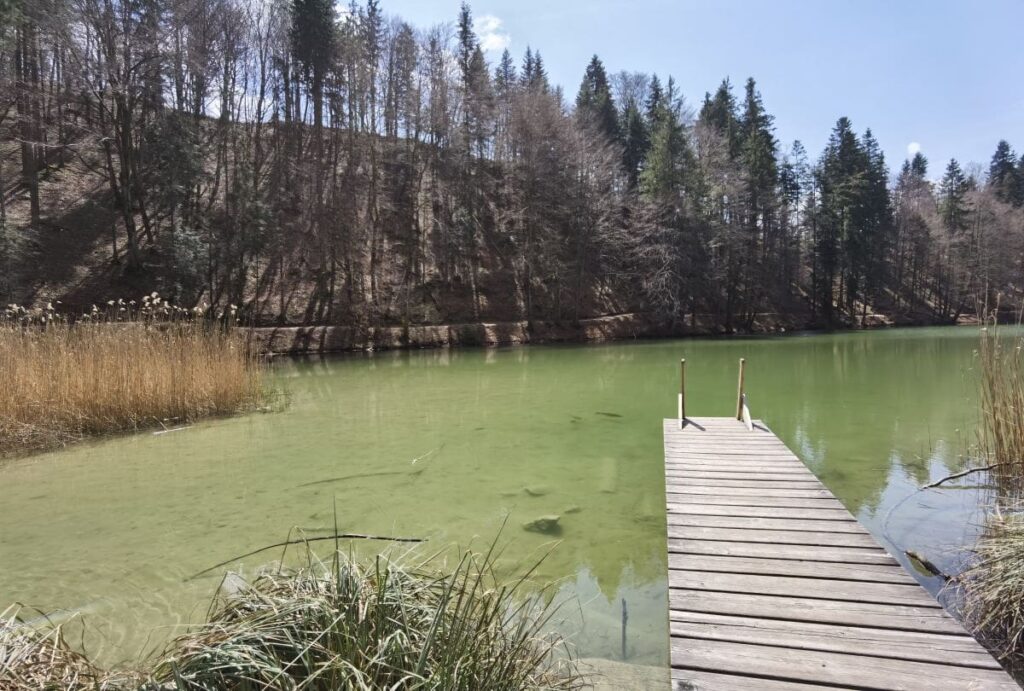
pixel 544 524
pixel 536 490
pixel 573 509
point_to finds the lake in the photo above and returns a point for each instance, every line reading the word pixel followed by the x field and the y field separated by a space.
pixel 451 445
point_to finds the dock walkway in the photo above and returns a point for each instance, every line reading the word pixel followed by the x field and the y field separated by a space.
pixel 774 585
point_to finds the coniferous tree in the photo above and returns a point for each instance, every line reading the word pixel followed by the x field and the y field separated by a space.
pixel 594 103
pixel 719 111
pixel 1002 172
pixel 919 165
pixel 953 206
pixel 635 143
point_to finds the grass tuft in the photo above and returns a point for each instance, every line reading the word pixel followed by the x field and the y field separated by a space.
pixel 336 625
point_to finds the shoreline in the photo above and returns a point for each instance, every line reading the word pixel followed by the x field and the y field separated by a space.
pixel 322 340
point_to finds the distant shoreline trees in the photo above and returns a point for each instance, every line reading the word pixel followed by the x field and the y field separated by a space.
pixel 324 166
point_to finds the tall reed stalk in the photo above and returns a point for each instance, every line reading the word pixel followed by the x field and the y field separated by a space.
pixel 117 371
pixel 1001 432
pixel 993 586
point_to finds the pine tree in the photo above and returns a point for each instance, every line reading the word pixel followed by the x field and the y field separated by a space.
pixel 757 152
pixel 841 183
pixel 919 165
pixel 655 100
pixel 595 106
pixel 313 42
pixel 953 206
pixel 636 143
pixel 1003 176
pixel 528 67
pixel 504 75
pixel 719 111
pixel 670 159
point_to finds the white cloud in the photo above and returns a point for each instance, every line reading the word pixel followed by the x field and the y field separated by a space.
pixel 913 148
pixel 489 30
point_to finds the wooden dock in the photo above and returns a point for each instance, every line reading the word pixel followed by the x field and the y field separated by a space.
pixel 774 585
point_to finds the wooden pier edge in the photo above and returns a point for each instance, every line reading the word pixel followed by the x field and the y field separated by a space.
pixel 773 584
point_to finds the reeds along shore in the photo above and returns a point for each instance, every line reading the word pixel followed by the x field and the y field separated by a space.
pixel 994 584
pixel 125 367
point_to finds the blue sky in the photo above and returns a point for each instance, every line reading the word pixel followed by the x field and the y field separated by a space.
pixel 945 75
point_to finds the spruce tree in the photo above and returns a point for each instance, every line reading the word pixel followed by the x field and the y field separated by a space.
pixel 635 143
pixel 1003 174
pixel 504 74
pixel 670 159
pixel 719 111
pixel 953 206
pixel 655 100
pixel 595 106
pixel 919 165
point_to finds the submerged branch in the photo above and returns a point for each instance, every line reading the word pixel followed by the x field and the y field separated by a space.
pixel 333 536
pixel 954 476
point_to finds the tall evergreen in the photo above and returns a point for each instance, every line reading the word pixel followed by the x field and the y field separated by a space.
pixel 636 142
pixel 953 206
pixel 655 100
pixel 919 165
pixel 313 43
pixel 757 148
pixel 719 111
pixel 504 74
pixel 594 103
pixel 669 160
pixel 1004 176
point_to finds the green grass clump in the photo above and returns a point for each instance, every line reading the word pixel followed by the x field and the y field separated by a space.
pixel 336 625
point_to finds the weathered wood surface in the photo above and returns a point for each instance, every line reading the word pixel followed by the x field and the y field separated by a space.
pixel 774 585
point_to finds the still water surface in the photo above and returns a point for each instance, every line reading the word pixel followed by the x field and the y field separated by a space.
pixel 450 444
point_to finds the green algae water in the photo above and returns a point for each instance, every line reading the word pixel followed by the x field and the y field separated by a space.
pixel 453 445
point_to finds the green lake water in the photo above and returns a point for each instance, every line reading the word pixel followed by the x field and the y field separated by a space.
pixel 451 444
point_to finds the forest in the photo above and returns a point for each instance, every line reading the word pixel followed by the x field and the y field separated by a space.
pixel 310 165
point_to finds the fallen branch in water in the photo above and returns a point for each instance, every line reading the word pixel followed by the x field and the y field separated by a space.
pixel 928 565
pixel 333 536
pixel 954 476
pixel 358 476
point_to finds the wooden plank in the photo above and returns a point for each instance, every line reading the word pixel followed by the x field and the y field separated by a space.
pixel 739 469
pixel 759 476
pixel 699 680
pixel 839 612
pixel 750 491
pixel 749 481
pixel 821 514
pixel 757 550
pixel 900 645
pixel 774 537
pixel 749 523
pixel 871 573
pixel 911 595
pixel 830 668
pixel 685 497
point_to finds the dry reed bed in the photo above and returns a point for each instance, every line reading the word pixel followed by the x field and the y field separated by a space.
pixel 117 371
pixel 993 586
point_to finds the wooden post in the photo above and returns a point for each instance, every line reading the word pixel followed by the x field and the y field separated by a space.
pixel 739 391
pixel 682 392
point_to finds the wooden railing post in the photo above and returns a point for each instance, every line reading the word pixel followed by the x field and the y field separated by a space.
pixel 682 392
pixel 739 391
